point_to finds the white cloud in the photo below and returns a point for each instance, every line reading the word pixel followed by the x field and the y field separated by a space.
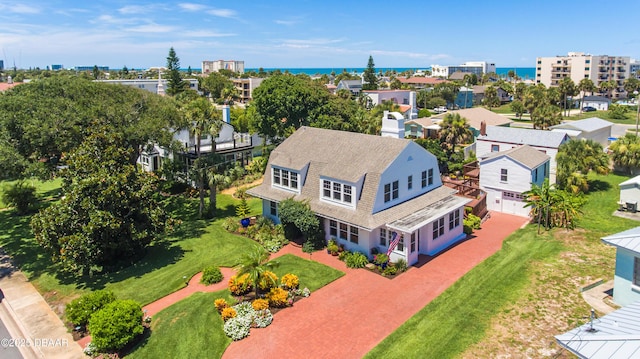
pixel 286 22
pixel 136 9
pixel 20 9
pixel 222 12
pixel 309 42
pixel 152 28
pixel 192 7
pixel 207 33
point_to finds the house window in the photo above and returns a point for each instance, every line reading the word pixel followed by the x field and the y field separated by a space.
pixel 333 228
pixel 353 231
pixel 294 180
pixel 495 148
pixel 438 227
pixel 346 193
pixel 508 195
pixel 636 271
pixel 430 177
pixel 276 176
pixel 409 182
pixel 326 185
pixel 273 208
pixel 400 246
pixel 387 192
pixel 343 231
pixel 454 219
pixel 503 175
pixel 413 242
pixel 383 237
pixel 285 178
pixel 394 193
pixel 337 191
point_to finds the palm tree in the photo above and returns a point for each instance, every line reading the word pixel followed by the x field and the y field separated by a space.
pixel 540 199
pixel 454 130
pixel 626 152
pixel 607 86
pixel 567 88
pixel 585 85
pixel 575 159
pixel 254 263
pixel 545 116
pixel 215 180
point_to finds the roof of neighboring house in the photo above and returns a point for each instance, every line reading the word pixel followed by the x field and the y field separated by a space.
pixel 404 108
pixel 526 155
pixel 350 83
pixel 629 239
pixel 458 75
pixel 331 86
pixel 478 89
pixel 615 335
pixel 587 125
pixel 476 115
pixel 422 121
pixel 597 99
pixel 351 157
pixel 5 86
pixel 631 181
pixel 420 80
pixel 385 91
pixel 524 136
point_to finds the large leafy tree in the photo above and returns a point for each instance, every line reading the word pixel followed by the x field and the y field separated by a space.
pixel 285 102
pixel 214 85
pixel 454 130
pixel 369 76
pixel 175 84
pixel 575 159
pixel 42 120
pixel 108 214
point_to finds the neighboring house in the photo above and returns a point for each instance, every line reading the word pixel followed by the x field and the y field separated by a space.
pixel 420 82
pixel 464 99
pixel 406 99
pixel 392 125
pixel 354 86
pixel 364 189
pixel 499 138
pixel 630 194
pixel 615 335
pixel 597 102
pixel 246 86
pixel 476 116
pixel 592 128
pixel 231 146
pixel 423 127
pixel 478 94
pixel 626 282
pixel 506 175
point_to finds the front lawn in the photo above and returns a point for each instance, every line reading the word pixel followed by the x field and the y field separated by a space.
pixel 192 328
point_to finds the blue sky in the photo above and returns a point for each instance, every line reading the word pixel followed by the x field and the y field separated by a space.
pixel 299 33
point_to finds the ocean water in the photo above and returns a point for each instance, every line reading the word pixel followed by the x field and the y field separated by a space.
pixel 523 72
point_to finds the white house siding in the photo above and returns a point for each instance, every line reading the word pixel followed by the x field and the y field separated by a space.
pixel 625 292
pixel 630 192
pixel 601 136
pixel 506 196
pixel 430 246
pixel 411 162
pixel 483 148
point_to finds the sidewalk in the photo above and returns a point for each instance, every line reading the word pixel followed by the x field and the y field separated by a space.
pixel 37 330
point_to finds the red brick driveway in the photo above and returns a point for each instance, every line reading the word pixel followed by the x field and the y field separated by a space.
pixel 350 316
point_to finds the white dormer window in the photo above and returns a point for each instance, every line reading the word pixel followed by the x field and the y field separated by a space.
pixel 334 191
pixel 285 178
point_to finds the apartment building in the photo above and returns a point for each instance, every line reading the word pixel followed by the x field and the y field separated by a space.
pixel 246 86
pixel 473 67
pixel 578 65
pixel 217 65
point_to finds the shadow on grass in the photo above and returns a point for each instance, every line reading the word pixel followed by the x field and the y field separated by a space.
pixel 17 241
pixel 598 186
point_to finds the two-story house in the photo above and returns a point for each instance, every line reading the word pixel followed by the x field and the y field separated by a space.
pixel 365 189
pixel 506 175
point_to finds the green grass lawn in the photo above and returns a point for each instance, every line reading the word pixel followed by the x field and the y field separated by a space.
pixel 195 245
pixel 462 315
pixel 191 328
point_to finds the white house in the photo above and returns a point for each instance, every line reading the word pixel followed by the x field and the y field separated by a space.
pixel 592 128
pixel 392 125
pixel 597 102
pixel 499 138
pixel 626 282
pixel 365 188
pixel 406 99
pixel 505 175
pixel 354 86
pixel 630 193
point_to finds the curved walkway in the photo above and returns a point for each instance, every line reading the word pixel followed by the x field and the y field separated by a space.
pixel 351 315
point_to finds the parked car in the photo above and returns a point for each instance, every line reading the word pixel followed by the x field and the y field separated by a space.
pixel 440 109
pixel 589 109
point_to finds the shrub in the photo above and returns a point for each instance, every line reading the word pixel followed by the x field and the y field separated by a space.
pixel 244 309
pixel 390 270
pixel 267 280
pixel 239 286
pixel 237 328
pixel 424 113
pixel 277 297
pixel 356 260
pixel 231 224
pixel 260 304
pixel 262 318
pixel 220 304
pixel 471 223
pixel 290 281
pixel 401 265
pixel 242 209
pixel 80 310
pixel 211 275
pixel 228 313
pixel 381 260
pixel 21 195
pixel 115 325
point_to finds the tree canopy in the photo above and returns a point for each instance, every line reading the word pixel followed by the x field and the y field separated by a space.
pixel 175 84
pixel 369 76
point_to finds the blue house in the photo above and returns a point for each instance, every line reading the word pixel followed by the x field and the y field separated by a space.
pixel 626 284
pixel 464 98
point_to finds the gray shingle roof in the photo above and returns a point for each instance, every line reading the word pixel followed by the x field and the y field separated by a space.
pixel 524 136
pixel 629 239
pixel 615 335
pixel 349 157
pixel 526 155
pixel 597 98
pixel 476 115
pixel 587 125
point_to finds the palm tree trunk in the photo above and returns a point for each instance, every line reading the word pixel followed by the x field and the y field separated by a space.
pixel 200 177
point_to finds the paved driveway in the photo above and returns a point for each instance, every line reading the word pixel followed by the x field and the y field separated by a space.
pixel 350 316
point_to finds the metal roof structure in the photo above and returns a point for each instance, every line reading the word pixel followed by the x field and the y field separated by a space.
pixel 629 239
